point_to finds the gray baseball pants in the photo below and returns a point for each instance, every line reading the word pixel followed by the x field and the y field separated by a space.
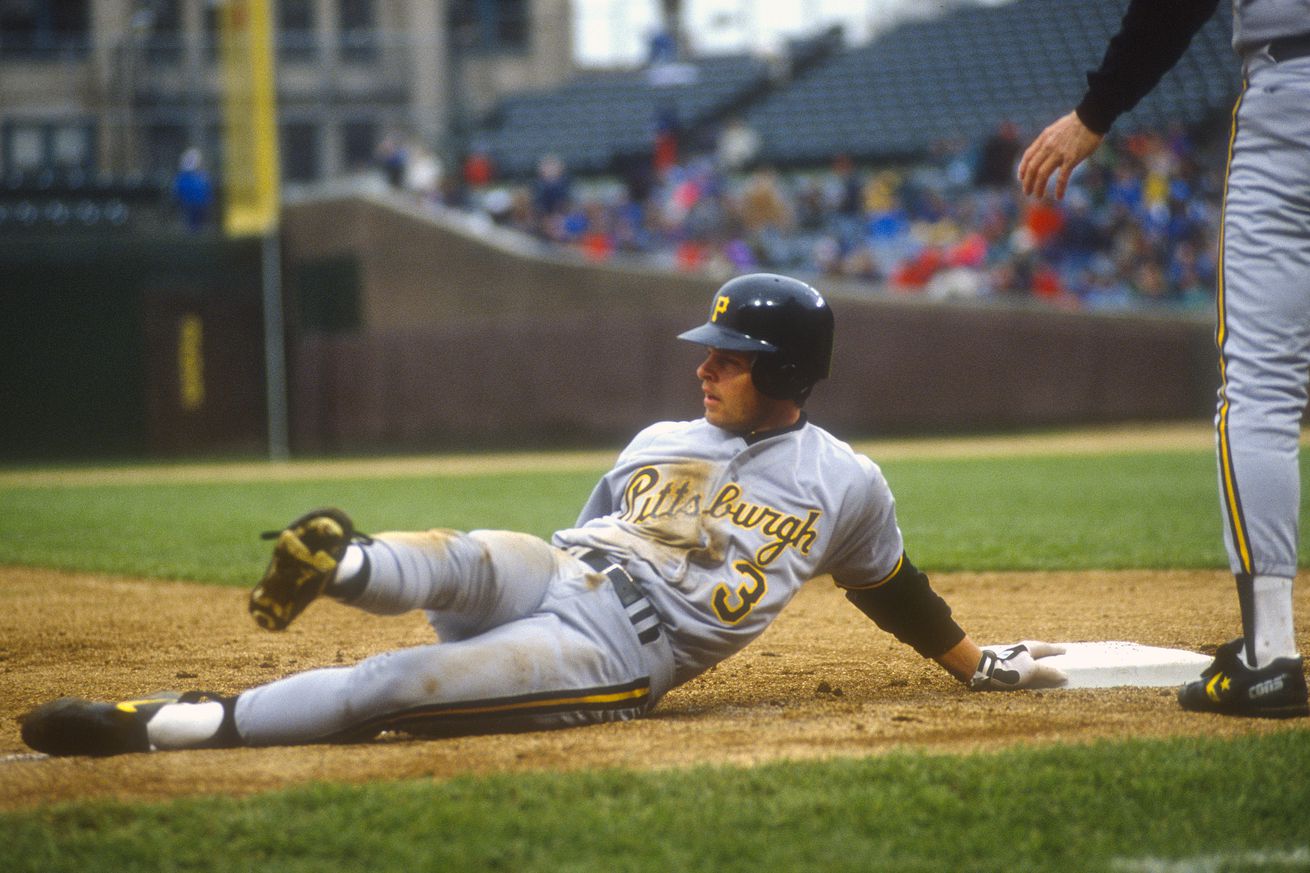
pixel 530 637
pixel 1263 329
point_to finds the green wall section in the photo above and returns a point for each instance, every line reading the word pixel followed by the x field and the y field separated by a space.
pixel 76 356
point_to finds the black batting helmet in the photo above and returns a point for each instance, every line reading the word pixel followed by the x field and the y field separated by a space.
pixel 785 322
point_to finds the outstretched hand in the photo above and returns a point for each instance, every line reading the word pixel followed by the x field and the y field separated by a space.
pixel 1005 668
pixel 1062 146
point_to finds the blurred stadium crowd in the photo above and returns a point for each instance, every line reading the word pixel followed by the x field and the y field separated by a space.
pixel 889 163
pixel 1136 230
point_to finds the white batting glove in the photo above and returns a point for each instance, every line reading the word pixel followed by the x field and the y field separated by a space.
pixel 1005 668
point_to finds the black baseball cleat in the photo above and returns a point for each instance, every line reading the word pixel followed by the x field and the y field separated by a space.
pixel 72 726
pixel 304 561
pixel 1228 686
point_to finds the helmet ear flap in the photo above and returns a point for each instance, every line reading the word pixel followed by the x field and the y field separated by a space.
pixel 781 380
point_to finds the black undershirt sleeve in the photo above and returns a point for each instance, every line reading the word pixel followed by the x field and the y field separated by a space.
pixel 1152 37
pixel 906 607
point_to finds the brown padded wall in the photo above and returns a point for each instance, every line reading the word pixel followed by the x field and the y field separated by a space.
pixel 463 344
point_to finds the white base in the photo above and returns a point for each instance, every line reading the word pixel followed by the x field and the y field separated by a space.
pixel 1112 664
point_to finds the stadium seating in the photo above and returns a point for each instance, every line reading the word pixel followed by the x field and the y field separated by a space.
pixel 950 78
pixel 594 118
pixel 956 77
pixel 71 198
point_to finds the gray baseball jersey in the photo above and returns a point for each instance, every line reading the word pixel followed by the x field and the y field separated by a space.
pixel 720 532
pixel 1256 23
pixel 713 533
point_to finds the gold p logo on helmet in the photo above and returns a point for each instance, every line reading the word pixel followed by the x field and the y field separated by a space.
pixel 720 306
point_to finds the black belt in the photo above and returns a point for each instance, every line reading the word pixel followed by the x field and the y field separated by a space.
pixel 640 612
pixel 1289 47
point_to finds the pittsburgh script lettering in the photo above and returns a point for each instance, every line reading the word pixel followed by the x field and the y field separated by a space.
pixel 784 529
pixel 645 501
pixel 648 498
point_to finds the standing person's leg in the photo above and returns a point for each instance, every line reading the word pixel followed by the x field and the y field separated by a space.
pixel 1263 335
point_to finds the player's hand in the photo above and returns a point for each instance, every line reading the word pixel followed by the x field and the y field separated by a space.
pixel 1005 668
pixel 1062 146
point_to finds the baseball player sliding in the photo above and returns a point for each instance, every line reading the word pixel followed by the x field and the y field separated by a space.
pixel 685 552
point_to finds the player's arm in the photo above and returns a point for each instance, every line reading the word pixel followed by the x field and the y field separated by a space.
pixel 1002 668
pixel 904 605
pixel 1153 36
pixel 901 601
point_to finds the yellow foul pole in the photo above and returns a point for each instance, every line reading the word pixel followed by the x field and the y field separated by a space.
pixel 250 160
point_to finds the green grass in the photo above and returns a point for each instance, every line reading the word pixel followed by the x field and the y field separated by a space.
pixel 1195 804
pixel 1112 511
pixel 210 531
pixel 1155 510
pixel 1090 808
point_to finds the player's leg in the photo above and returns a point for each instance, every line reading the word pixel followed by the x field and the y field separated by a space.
pixel 578 659
pixel 538 672
pixel 532 637
pixel 475 580
pixel 467 582
pixel 1263 334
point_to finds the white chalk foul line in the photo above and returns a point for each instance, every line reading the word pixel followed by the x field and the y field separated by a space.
pixel 1297 859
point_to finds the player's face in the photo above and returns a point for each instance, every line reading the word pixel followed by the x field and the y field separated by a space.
pixel 731 400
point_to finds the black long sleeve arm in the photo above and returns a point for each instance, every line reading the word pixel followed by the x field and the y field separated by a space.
pixel 907 607
pixel 1152 37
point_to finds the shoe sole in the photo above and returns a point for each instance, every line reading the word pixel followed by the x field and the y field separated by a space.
pixel 1264 712
pixel 293 561
pixel 1290 710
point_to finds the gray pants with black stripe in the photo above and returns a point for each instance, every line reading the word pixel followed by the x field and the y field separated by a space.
pixel 530 637
pixel 1263 329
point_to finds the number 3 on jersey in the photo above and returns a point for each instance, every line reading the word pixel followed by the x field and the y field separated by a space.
pixel 731 606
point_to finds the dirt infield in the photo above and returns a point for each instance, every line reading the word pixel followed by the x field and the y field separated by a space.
pixel 821 682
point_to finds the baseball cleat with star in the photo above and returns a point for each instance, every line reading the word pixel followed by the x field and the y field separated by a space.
pixel 1228 686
